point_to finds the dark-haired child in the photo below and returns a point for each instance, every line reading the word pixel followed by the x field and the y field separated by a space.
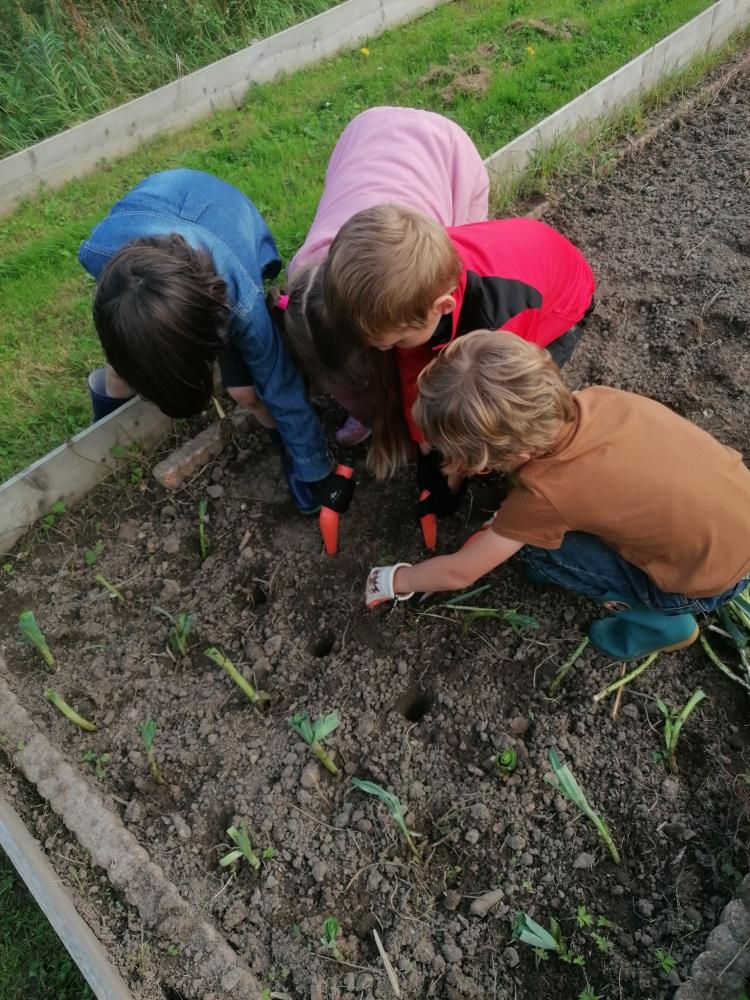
pixel 180 262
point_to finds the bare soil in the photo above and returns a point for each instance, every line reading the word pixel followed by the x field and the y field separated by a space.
pixel 425 699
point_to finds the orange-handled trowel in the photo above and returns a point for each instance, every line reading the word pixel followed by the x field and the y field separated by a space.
pixel 329 519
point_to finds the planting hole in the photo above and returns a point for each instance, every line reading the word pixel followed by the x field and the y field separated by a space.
pixel 415 703
pixel 323 645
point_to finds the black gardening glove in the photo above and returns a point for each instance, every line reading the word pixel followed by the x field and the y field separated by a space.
pixel 334 491
pixel 442 501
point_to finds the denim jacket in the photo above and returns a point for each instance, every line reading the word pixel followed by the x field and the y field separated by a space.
pixel 214 216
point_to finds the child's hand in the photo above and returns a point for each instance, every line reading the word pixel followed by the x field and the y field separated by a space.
pixel 379 587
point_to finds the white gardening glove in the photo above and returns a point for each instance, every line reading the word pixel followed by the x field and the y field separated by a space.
pixel 379 586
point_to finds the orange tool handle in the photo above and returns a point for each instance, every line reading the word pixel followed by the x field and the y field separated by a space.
pixel 329 519
pixel 429 526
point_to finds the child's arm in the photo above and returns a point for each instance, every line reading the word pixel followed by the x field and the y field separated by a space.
pixel 454 572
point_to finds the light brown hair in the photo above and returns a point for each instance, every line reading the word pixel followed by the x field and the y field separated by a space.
pixel 385 269
pixel 490 397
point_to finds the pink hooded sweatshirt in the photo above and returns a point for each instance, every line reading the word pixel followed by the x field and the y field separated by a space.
pixel 403 156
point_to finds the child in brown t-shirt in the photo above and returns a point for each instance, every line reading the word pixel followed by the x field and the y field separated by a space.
pixel 615 497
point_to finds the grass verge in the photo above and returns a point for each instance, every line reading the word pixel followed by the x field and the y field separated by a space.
pixel 33 961
pixel 494 67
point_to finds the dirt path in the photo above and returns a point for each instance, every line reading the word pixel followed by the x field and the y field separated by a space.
pixel 425 700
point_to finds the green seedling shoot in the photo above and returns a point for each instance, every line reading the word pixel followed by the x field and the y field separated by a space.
pixel 259 698
pixel 673 723
pixel 331 928
pixel 113 592
pixel 733 627
pixel 564 783
pixel 147 732
pixel 394 808
pixel 203 544
pixel 33 635
pixel 62 706
pixel 565 669
pixel 244 848
pixel 177 637
pixel 530 932
pixel 505 762
pixel 665 960
pixel 314 732
pixel 100 761
pixel 90 556
pixel 622 681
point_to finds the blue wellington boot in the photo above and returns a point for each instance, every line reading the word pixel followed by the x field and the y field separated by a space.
pixel 101 403
pixel 634 631
pixel 301 493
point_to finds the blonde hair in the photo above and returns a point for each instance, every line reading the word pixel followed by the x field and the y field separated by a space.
pixel 490 397
pixel 385 269
pixel 323 354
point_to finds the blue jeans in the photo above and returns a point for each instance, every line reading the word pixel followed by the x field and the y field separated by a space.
pixel 587 566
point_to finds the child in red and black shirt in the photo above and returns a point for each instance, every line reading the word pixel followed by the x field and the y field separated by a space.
pixel 395 278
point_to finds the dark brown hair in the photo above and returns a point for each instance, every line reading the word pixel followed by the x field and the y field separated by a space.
pixel 160 311
pixel 322 352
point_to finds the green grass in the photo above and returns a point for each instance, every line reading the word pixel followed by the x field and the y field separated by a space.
pixel 275 148
pixel 61 63
pixel 33 961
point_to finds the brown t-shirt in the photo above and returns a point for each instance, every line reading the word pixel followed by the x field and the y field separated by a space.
pixel 658 490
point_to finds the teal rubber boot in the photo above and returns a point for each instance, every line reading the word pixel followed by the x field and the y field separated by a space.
pixel 634 631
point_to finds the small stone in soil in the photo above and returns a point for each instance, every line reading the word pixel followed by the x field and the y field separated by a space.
pixel 512 958
pixel 215 491
pixel 452 953
pixel 519 725
pixel 481 906
pixel 584 860
pixel 472 836
pixel 645 908
pixel 171 545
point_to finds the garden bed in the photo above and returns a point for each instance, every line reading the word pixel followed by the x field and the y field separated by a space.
pixel 425 699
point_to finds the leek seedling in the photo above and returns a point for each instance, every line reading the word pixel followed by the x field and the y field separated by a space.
pixel 147 731
pixel 331 928
pixel 565 669
pixel 244 848
pixel 394 808
pixel 258 698
pixel 177 637
pixel 508 615
pixel 112 590
pixel 530 932
pixel 673 723
pixel 718 662
pixel 505 762
pixel 564 783
pixel 34 636
pixel 313 732
pixel 62 706
pixel 622 681
pixel 203 544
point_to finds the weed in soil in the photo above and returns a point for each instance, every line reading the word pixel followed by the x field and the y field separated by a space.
pixel 331 930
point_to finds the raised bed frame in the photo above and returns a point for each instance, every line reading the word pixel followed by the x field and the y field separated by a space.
pixel 69 472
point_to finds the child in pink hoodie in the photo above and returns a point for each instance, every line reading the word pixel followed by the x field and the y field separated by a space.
pixel 398 155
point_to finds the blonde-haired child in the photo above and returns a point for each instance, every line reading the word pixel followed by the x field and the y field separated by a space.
pixel 408 155
pixel 616 496
pixel 396 279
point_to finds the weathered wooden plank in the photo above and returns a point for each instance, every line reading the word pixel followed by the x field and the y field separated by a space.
pixel 72 470
pixel 78 150
pixel 54 901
